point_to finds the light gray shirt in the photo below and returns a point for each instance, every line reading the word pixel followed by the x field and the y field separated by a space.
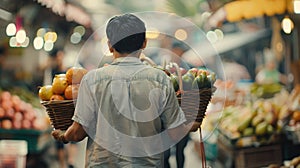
pixel 126 108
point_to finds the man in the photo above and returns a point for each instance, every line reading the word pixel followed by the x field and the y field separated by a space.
pixel 127 110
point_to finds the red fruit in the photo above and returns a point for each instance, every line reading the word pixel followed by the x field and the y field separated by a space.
pixel 5 96
pixel 193 71
pixel 17 124
pixel 18 116
pixel 26 124
pixel 2 112
pixel 6 104
pixel 10 113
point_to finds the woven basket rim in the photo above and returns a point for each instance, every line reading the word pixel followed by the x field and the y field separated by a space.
pixel 57 102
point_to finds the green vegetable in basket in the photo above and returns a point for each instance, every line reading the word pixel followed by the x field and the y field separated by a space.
pixel 190 75
pixel 212 78
pixel 205 80
pixel 187 82
pixel 174 80
pixel 198 82
pixel 193 72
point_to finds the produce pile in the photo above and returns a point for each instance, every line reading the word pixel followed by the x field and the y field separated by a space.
pixel 15 113
pixel 293 163
pixel 292 118
pixel 254 123
pixel 64 86
pixel 192 79
pixel 265 90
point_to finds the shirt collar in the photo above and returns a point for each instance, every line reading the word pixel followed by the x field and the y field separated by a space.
pixel 126 60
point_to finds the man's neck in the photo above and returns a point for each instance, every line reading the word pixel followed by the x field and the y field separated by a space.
pixel 122 55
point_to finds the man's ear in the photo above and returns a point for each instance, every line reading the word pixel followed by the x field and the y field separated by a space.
pixel 144 44
pixel 111 49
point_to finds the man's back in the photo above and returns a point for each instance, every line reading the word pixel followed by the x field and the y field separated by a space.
pixel 131 116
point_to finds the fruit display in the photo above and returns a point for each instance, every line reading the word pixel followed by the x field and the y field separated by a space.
pixel 294 162
pixel 64 86
pixel 15 113
pixel 259 121
pixel 292 116
pixel 252 124
pixel 265 90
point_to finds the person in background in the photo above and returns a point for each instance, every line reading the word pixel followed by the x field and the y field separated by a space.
pixel 123 88
pixel 269 73
pixel 178 49
pixel 9 77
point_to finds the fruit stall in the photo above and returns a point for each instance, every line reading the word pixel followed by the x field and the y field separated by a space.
pixel 258 126
pixel 22 119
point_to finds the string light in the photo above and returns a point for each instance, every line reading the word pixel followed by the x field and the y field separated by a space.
pixel 287 25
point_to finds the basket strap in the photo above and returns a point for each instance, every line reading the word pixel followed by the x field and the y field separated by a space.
pixel 202 150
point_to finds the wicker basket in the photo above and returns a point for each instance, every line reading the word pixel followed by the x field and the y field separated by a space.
pixel 194 103
pixel 60 113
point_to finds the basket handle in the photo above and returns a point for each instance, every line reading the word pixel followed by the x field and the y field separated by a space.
pixel 173 64
pixel 148 60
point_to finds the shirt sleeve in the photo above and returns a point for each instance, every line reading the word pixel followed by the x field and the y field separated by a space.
pixel 172 115
pixel 84 111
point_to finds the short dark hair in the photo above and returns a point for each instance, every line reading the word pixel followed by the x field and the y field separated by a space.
pixel 126 33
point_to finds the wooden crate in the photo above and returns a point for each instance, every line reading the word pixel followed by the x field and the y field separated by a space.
pixel 250 157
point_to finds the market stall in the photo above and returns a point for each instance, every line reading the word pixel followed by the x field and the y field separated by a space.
pixel 256 130
pixel 22 119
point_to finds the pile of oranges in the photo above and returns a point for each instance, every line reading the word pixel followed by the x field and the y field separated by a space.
pixel 64 86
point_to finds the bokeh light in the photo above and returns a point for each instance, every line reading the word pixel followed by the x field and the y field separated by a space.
pixel 38 43
pixel 11 29
pixel 21 36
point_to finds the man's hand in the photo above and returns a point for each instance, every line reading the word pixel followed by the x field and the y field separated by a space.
pixel 59 135
pixel 193 126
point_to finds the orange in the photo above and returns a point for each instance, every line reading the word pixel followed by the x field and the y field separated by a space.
pixel 296 116
pixel 75 74
pixel 71 92
pixel 57 97
pixel 59 85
